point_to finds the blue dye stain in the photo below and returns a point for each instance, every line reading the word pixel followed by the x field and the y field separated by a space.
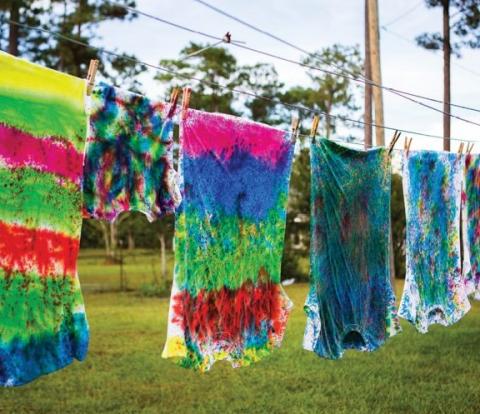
pixel 238 186
pixel 22 362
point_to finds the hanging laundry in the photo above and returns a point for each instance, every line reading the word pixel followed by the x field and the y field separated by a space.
pixel 351 303
pixel 471 225
pixel 227 301
pixel 42 136
pixel 434 287
pixel 128 162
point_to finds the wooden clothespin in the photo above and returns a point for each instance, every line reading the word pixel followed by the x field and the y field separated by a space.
pixel 470 147
pixel 92 71
pixel 173 101
pixel 406 146
pixel 227 38
pixel 313 130
pixel 187 92
pixel 295 124
pixel 395 138
pixel 460 150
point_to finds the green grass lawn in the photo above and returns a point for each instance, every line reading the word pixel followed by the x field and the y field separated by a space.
pixel 140 268
pixel 124 373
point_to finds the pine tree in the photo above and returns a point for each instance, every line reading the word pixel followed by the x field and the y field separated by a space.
pixel 464 25
pixel 328 92
pixel 79 20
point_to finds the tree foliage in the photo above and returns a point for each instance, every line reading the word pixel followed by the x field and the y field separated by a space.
pixel 328 92
pixel 79 20
pixel 464 26
pixel 214 66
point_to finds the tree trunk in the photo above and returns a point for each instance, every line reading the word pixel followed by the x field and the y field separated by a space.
pixel 130 240
pixel 106 238
pixel 446 74
pixel 392 259
pixel 113 239
pixel 327 125
pixel 13 28
pixel 368 88
pixel 328 119
pixel 163 257
pixel 61 60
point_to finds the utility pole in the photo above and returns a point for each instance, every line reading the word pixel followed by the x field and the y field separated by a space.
pixel 372 64
pixel 446 74
pixel 368 88
pixel 374 36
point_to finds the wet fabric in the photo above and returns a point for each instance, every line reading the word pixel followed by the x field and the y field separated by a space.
pixel 434 289
pixel 128 164
pixel 42 136
pixel 471 225
pixel 227 301
pixel 351 303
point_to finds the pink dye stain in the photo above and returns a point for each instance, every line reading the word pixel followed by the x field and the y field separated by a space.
pixel 228 133
pixel 18 149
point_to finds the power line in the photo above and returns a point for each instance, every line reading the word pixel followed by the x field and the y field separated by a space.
pixel 217 85
pixel 404 14
pixel 408 40
pixel 352 76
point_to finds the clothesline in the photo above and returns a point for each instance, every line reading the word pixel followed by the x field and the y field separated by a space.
pixel 227 302
pixel 299 108
pixel 350 76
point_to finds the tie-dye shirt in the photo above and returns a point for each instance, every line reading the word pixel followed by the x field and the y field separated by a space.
pixel 351 303
pixel 227 301
pixel 434 286
pixel 42 137
pixel 128 164
pixel 471 225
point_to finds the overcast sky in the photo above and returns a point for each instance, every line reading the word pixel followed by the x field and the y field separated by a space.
pixel 315 24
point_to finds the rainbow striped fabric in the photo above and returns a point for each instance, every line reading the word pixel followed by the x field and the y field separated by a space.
pixel 42 136
pixel 227 301
pixel 128 162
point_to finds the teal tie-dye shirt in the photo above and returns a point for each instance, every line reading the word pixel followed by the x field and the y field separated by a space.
pixel 351 302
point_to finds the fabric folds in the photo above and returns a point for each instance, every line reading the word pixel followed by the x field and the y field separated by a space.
pixel 351 303
pixel 227 301
pixel 471 225
pixel 128 164
pixel 42 136
pixel 434 286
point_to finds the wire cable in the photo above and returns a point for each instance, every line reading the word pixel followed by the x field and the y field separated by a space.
pixel 299 108
pixel 406 39
pixel 302 50
pixel 404 14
